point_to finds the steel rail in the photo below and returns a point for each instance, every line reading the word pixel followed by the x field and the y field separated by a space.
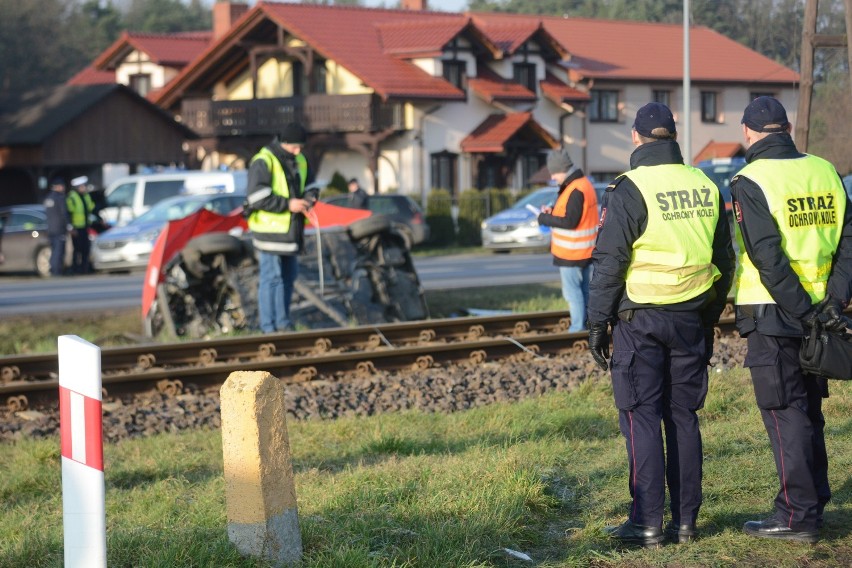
pixel 44 366
pixel 521 342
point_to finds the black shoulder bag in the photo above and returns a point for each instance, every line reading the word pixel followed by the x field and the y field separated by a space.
pixel 827 354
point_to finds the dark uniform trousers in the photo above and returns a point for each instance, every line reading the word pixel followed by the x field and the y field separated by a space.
pixel 659 375
pixel 791 407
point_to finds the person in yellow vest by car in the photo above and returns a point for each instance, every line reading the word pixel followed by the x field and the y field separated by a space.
pixel 81 211
pixel 794 231
pixel 663 267
pixel 275 207
pixel 573 220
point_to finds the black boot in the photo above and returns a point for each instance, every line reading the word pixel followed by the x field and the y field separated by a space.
pixel 631 533
pixel 773 528
pixel 680 533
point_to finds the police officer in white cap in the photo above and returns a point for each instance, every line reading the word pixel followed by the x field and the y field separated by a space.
pixel 80 209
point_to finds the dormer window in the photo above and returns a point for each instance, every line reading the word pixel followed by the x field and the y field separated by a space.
pixel 524 73
pixel 141 83
pixel 455 72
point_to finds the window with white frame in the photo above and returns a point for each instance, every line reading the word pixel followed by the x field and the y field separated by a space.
pixel 444 171
pixel 455 72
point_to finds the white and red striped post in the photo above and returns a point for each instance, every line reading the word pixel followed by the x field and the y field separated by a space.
pixel 81 435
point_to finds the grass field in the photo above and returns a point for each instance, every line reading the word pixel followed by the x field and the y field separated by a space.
pixel 542 477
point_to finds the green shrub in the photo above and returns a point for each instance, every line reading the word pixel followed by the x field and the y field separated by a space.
pixel 499 199
pixel 471 214
pixel 439 217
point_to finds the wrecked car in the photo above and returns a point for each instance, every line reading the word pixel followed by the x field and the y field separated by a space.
pixel 356 269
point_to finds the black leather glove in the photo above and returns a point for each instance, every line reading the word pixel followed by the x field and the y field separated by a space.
pixel 811 319
pixel 599 343
pixel 832 315
pixel 709 338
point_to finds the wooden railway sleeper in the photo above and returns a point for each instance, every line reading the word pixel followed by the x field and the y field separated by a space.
pixel 10 373
pixel 208 356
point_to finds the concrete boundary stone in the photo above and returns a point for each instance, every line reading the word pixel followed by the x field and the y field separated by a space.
pixel 260 488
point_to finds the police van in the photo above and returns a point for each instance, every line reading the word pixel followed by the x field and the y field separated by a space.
pixel 128 197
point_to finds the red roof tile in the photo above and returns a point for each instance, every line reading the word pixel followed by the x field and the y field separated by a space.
pixel 614 49
pixel 559 92
pixel 492 87
pixel 349 36
pixel 92 76
pixel 373 43
pixel 720 150
pixel 495 131
pixel 174 50
pixel 413 37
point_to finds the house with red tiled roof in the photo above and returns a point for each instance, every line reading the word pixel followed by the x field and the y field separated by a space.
pixel 410 100
pixel 144 62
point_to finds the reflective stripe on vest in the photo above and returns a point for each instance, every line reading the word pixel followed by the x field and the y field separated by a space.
pixel 265 221
pixel 671 260
pixel 807 201
pixel 577 243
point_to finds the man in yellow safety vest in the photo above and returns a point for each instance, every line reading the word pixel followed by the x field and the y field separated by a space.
pixel 794 231
pixel 663 267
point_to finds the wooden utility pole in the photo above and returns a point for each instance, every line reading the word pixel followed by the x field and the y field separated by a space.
pixel 810 42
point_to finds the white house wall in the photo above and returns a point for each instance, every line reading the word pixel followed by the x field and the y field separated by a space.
pixel 138 63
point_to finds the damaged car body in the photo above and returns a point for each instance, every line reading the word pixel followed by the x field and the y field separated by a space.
pixel 203 277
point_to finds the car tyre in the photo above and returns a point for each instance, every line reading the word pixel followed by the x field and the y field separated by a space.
pixel 369 226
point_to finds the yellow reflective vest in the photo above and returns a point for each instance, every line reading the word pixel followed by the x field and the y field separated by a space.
pixel 672 259
pixel 260 221
pixel 807 202
pixel 80 206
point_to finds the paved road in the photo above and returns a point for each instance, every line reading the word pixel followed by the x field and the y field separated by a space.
pixel 31 295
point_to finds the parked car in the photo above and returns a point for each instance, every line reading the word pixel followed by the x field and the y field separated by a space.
pixel 517 227
pixel 129 197
pixel 405 214
pixel 129 247
pixel 721 171
pixel 847 183
pixel 24 244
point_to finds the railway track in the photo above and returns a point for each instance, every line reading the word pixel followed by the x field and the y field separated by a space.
pixel 31 381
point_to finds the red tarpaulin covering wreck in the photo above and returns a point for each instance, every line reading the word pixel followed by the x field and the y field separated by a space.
pixel 177 233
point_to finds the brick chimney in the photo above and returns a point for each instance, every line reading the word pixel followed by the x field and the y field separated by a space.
pixel 225 14
pixel 413 5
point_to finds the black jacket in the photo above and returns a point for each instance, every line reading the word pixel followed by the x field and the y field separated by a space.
pixel 762 242
pixel 573 214
pixel 56 209
pixel 624 217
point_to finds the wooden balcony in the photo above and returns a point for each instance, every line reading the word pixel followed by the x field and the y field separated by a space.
pixel 318 113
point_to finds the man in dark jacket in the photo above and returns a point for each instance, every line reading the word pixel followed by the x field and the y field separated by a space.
pixel 573 219
pixel 663 267
pixel 58 224
pixel 794 231
pixel 358 198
